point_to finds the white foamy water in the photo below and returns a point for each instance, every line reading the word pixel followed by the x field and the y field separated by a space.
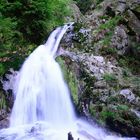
pixel 43 108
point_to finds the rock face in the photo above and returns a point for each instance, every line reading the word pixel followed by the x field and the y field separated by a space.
pixel 105 66
pixel 6 97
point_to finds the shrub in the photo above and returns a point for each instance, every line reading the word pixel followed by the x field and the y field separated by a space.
pixel 24 23
pixel 35 18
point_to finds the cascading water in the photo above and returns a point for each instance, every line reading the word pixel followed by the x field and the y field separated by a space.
pixel 42 108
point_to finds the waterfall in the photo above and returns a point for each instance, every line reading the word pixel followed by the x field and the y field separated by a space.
pixel 43 109
pixel 41 93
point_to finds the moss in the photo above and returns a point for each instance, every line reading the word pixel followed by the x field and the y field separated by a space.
pixel 132 63
pixel 112 99
pixel 106 114
pixel 2 69
pixel 122 107
pixel 84 5
pixel 108 50
pixel 2 101
pixel 110 24
pixel 92 110
pixel 110 78
pixel 71 80
pixel 88 80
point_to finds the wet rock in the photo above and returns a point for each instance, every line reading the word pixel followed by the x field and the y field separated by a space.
pixel 4 118
pixel 9 83
pixel 70 137
pixel 4 123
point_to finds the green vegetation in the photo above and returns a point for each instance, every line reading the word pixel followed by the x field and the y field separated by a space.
pixel 70 79
pixel 107 50
pixel 104 34
pixel 109 78
pixel 118 112
pixel 85 5
pixel 123 107
pixel 110 24
pixel 24 25
pixel 132 63
pixel 2 101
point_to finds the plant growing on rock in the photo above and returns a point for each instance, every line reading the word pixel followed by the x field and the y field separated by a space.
pixel 110 78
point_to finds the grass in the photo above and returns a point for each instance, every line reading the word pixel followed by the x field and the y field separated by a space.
pixel 109 77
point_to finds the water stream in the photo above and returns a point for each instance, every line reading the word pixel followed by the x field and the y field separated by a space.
pixel 43 109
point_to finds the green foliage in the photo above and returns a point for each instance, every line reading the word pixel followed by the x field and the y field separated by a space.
pixel 107 113
pixel 111 23
pixel 35 18
pixel 8 35
pixel 112 99
pixel 108 50
pixel 88 81
pixel 24 23
pixel 2 101
pixel 2 69
pixel 98 1
pixel 109 77
pixel 105 32
pixel 132 63
pixel 123 107
pixel 84 5
pixel 71 80
pixel 92 110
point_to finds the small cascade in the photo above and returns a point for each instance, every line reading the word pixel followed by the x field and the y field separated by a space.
pixel 43 109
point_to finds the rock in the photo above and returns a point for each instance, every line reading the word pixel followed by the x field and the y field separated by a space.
pixel 133 22
pixel 136 112
pixel 70 137
pixel 127 124
pixel 120 40
pixel 128 94
pixel 99 59
pixel 100 84
pixel 105 78
pixel 133 4
pixel 4 119
pixel 9 83
pixel 76 13
pixel 4 123
pixel 121 6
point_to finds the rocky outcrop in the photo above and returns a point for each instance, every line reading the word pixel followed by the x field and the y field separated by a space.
pixel 105 65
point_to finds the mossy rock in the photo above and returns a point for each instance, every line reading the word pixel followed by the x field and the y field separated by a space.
pixel 126 124
pixel 69 77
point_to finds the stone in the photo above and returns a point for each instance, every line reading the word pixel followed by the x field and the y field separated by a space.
pixel 100 59
pixel 70 137
pixel 100 84
pixel 128 94
pixel 120 40
pixel 133 22
pixel 121 6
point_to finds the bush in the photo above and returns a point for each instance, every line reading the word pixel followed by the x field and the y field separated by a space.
pixel 24 23
pixel 37 17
